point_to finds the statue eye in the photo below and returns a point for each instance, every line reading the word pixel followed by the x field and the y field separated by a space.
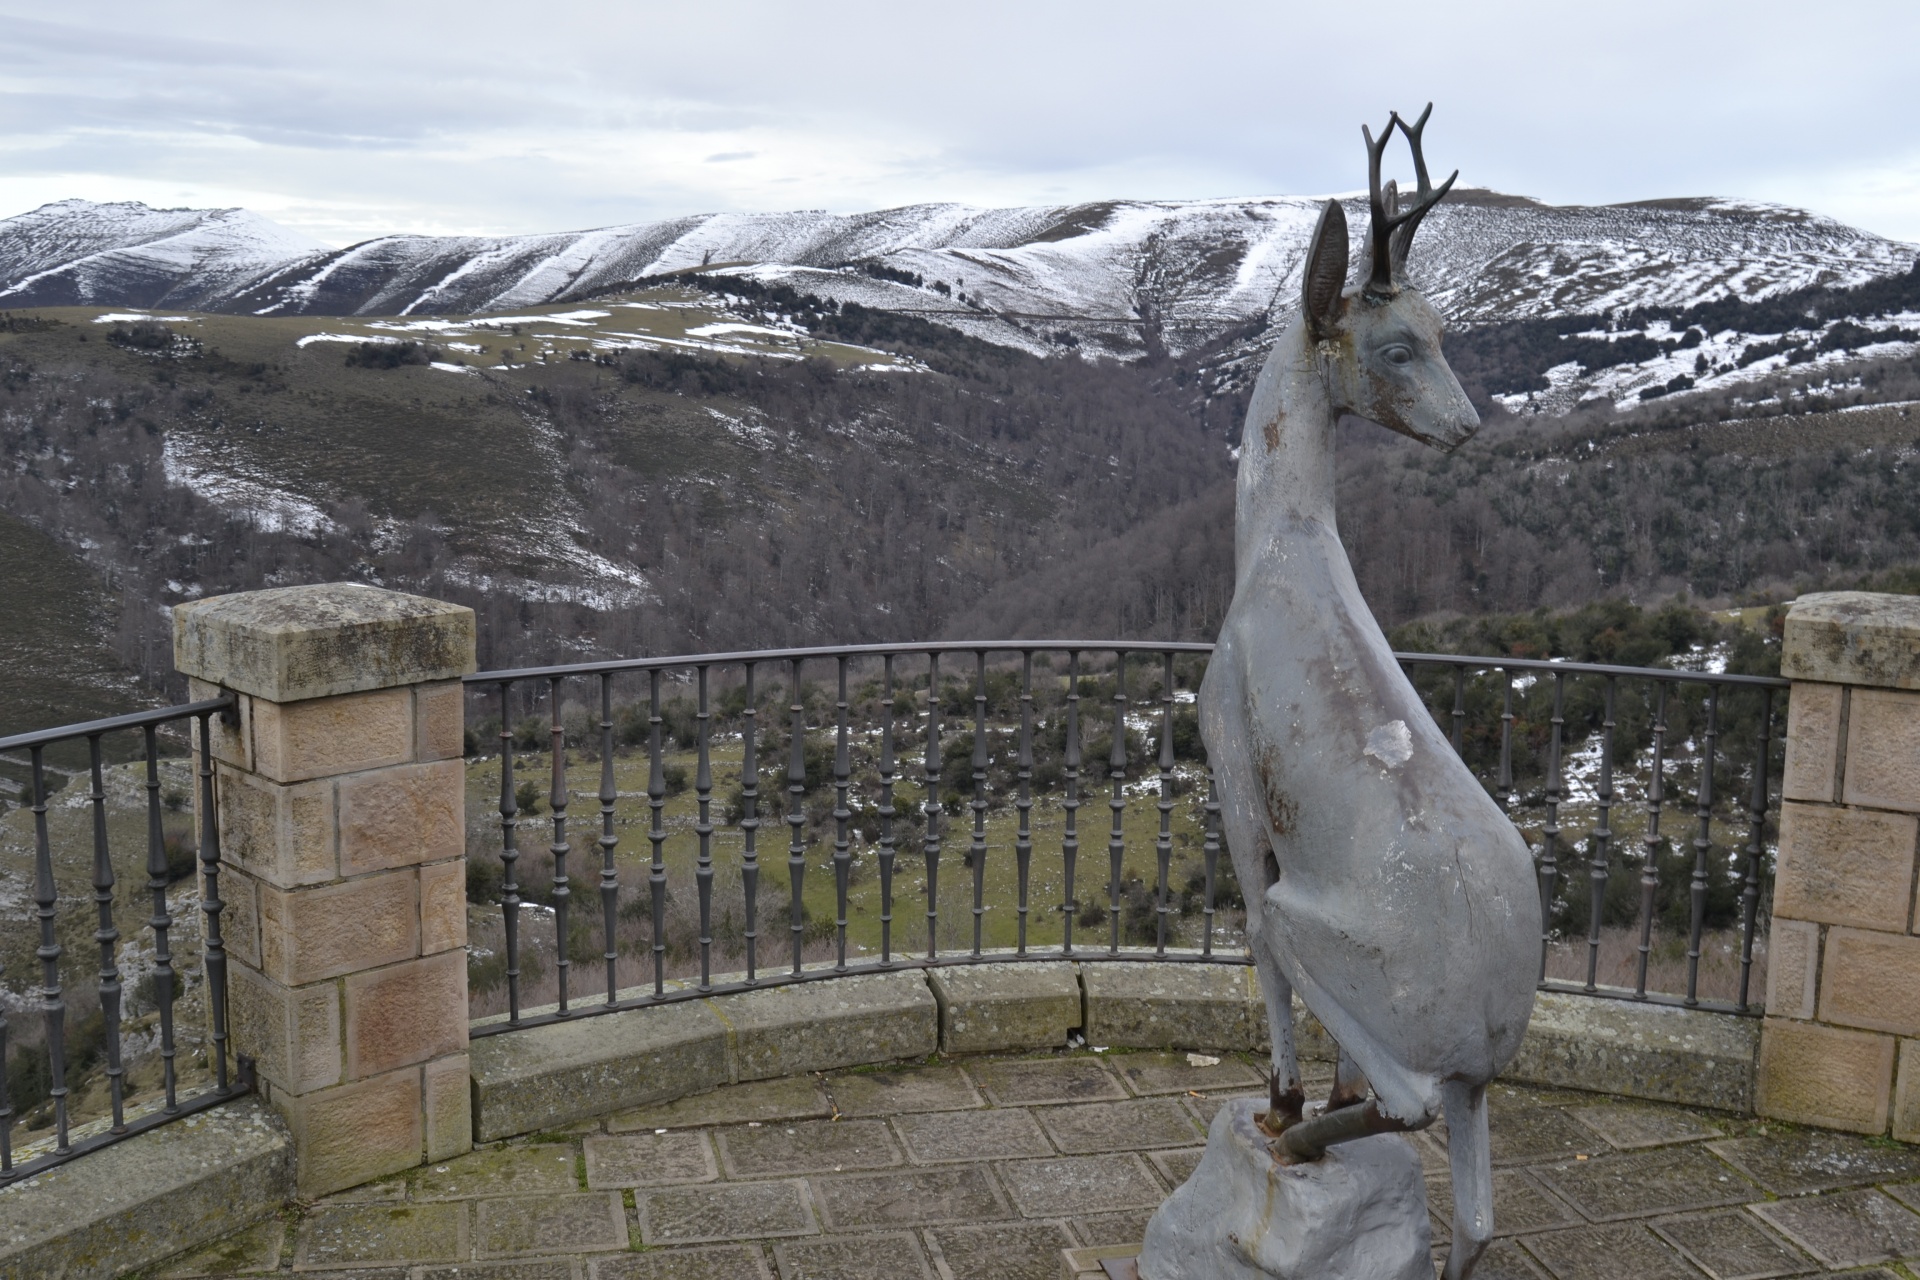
pixel 1398 353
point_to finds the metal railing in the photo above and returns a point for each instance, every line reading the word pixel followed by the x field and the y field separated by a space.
pixel 106 935
pixel 1699 699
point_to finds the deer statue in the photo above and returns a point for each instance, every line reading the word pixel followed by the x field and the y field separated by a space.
pixel 1383 883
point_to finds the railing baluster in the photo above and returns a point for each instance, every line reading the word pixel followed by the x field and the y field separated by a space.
pixel 657 833
pixel 1459 705
pixel 1070 835
pixel 1163 846
pixel 106 935
pixel 52 1008
pixel 161 923
pixel 796 814
pixel 1023 835
pixel 1702 845
pixel 509 856
pixel 750 824
pixel 6 1102
pixel 1756 845
pixel 1117 802
pixel 1504 791
pixel 214 949
pixel 977 849
pixel 703 830
pixel 842 845
pixel 1599 869
pixel 1650 842
pixel 557 803
pixel 886 812
pixel 1550 833
pixel 931 843
pixel 609 873
pixel 1210 860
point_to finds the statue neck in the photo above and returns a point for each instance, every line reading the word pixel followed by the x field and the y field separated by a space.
pixel 1286 451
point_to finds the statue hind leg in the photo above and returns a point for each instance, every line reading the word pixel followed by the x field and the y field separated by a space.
pixel 1472 1170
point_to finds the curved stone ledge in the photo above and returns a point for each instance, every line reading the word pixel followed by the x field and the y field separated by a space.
pixel 1659 1052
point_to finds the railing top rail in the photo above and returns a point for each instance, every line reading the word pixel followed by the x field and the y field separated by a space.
pixel 1677 674
pixel 134 720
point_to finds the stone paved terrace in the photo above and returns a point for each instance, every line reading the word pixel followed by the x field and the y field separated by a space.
pixel 987 1168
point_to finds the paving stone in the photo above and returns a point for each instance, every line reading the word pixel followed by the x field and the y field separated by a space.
pixel 533 1169
pixel 1433 1154
pixel 806 1146
pixel 1613 1252
pixel 1126 1227
pixel 517 1226
pixel 1081 1185
pixel 1787 1162
pixel 1010 1251
pixel 1907 1193
pixel 1136 1125
pixel 358 1234
pixel 1018 1083
pixel 889 1257
pixel 1636 1185
pixel 1150 1073
pixel 542 1269
pixel 1207 1106
pixel 747 1210
pixel 948 1137
pixel 885 1093
pixel 729 1262
pixel 1630 1127
pixel 387 1189
pixel 1505 1260
pixel 909 1197
pixel 1732 1246
pixel 244 1253
pixel 1519 1204
pixel 1531 1135
pixel 648 1159
pixel 1177 1166
pixel 1847 1228
pixel 794 1098
pixel 361 1273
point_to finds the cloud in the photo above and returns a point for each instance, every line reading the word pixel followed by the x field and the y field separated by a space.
pixel 356 117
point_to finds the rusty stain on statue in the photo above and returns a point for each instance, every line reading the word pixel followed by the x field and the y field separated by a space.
pixel 1383 884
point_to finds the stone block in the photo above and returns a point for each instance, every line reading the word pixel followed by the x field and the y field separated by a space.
pixel 1853 637
pixel 282 834
pixel 818 1026
pixel 232 742
pixel 447 1094
pixel 543 1077
pixel 1810 1074
pixel 1793 963
pixel 517 1227
pixel 1871 980
pixel 124 1207
pixel 240 921
pixel 295 741
pixel 1657 1052
pixel 1813 741
pixel 1168 1005
pixel 310 934
pixel 401 817
pixel 1906 1093
pixel 439 721
pixel 1845 866
pixel 405 1013
pixel 290 643
pixel 354 1133
pixel 1883 749
pixel 995 1007
pixel 293 1033
pixel 443 906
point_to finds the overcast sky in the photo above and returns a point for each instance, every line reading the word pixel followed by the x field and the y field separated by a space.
pixel 347 120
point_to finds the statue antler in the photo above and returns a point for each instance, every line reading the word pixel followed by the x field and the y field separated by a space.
pixel 1392 229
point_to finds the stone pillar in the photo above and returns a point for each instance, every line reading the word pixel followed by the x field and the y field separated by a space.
pixel 340 791
pixel 1841 1043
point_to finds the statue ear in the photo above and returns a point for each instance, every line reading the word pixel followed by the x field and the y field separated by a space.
pixel 1326 271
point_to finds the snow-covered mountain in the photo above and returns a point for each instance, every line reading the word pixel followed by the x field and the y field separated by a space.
pixel 77 253
pixel 1109 273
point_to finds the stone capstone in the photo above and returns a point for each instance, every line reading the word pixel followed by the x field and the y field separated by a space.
pixel 1853 637
pixel 1358 1213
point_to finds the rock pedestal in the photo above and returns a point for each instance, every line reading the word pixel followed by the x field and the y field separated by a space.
pixel 1359 1213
